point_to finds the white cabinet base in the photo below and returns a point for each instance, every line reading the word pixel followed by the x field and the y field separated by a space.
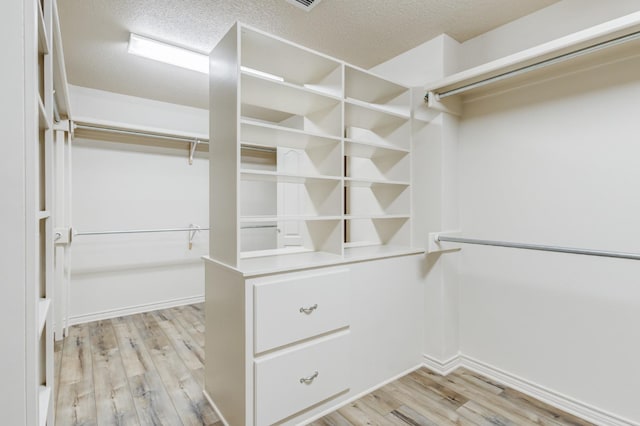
pixel 377 305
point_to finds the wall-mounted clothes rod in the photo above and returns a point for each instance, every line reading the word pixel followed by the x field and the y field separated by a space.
pixel 258 148
pixel 193 142
pixel 147 231
pixel 539 247
pixel 105 129
pixel 545 63
pixel 139 231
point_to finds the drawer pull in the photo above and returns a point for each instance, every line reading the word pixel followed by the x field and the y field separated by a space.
pixel 309 310
pixel 310 379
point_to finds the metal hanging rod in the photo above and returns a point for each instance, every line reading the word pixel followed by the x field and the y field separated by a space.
pixel 148 231
pixel 539 247
pixel 258 148
pixel 140 231
pixel 81 126
pixel 557 59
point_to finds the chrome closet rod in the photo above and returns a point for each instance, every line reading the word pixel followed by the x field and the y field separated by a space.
pixel 539 247
pixel 140 231
pixel 139 133
pixel 258 148
pixel 541 64
pixel 147 231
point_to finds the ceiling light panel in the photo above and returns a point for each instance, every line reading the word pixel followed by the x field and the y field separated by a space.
pixel 167 53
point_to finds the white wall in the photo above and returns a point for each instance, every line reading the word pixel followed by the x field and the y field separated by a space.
pixel 555 163
pixel 135 186
pixel 12 215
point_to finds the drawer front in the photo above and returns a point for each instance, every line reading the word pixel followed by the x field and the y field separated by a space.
pixel 280 388
pixel 299 307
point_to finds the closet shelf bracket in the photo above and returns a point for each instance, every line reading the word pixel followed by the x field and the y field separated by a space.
pixel 62 235
pixel 433 242
pixel 450 105
pixel 192 234
pixel 192 150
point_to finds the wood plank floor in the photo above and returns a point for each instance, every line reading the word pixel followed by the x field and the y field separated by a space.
pixel 148 369
pixel 145 369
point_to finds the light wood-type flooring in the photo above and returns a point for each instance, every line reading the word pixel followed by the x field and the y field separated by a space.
pixel 148 369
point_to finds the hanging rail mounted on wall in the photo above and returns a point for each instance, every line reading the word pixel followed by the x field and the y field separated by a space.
pixel 602 36
pixel 193 142
pixel 436 238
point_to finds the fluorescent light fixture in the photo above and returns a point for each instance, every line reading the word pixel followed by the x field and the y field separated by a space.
pixel 169 54
pixel 261 73
pixel 179 56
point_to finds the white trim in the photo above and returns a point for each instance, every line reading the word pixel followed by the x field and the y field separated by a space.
pixel 358 396
pixel 215 408
pixel 137 309
pixel 442 367
pixel 548 396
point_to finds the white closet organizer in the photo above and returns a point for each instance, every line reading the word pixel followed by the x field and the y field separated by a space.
pixel 322 150
pixel 40 209
pixel 317 147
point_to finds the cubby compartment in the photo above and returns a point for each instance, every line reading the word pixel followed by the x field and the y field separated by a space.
pixel 392 167
pixel 282 61
pixel 290 235
pixel 375 200
pixel 271 195
pixel 291 151
pixel 289 106
pixel 388 231
pixel 364 88
pixel 376 128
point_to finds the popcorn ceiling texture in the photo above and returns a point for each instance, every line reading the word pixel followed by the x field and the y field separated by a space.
pixel 362 32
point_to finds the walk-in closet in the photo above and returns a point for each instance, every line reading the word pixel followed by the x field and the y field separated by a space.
pixel 320 212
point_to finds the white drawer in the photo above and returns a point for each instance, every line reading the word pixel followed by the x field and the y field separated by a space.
pixel 279 307
pixel 279 390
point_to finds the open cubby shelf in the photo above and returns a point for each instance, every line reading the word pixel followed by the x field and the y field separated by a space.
pixel 316 153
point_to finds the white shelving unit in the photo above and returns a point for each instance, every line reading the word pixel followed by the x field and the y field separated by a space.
pixel 310 172
pixel 43 37
pixel 315 150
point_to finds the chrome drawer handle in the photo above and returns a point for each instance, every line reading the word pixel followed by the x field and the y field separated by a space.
pixel 310 379
pixel 309 310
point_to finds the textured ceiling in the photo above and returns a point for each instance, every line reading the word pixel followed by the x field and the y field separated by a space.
pixel 363 32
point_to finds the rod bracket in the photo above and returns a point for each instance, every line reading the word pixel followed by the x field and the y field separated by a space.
pixel 192 150
pixel 434 245
pixel 192 234
pixel 452 105
pixel 62 236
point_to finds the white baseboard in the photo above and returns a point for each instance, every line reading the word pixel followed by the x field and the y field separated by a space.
pixel 130 310
pixel 541 393
pixel 548 396
pixel 215 408
pixel 442 367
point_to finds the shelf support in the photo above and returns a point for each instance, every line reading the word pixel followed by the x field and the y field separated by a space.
pixel 192 234
pixel 62 235
pixel 192 150
pixel 450 105
pixel 433 242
